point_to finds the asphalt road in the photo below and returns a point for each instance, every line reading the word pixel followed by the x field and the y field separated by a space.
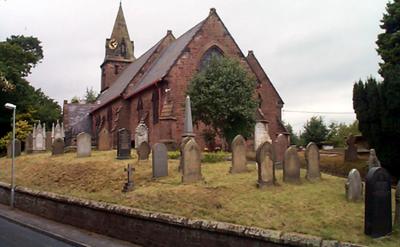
pixel 14 235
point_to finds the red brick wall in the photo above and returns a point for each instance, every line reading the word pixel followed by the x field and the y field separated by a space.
pixel 108 75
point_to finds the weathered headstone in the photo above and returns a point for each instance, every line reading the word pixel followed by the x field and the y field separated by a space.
pixel 265 162
pixel 397 211
pixel 181 147
pixel 313 162
pixel 124 144
pixel 128 186
pixel 350 153
pixel 281 144
pixel 353 186
pixel 373 161
pixel 261 134
pixel 49 141
pixel 57 131
pixel 58 147
pixel 141 134
pixel 28 144
pixel 191 169
pixel 39 137
pixel 291 166
pixel 378 203
pixel 238 155
pixel 188 122
pixel 84 144
pixel 104 140
pixel 143 151
pixel 17 148
pixel 159 155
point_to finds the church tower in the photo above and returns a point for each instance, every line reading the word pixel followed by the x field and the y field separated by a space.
pixel 119 52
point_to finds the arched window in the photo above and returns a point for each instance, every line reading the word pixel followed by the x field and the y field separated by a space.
pixel 155 100
pixel 205 60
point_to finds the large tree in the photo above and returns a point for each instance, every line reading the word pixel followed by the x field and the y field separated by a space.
pixel 315 130
pixel 222 97
pixel 377 104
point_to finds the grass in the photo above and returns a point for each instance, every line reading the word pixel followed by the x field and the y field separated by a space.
pixel 317 208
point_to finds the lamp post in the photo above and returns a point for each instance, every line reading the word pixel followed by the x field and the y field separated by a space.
pixel 12 107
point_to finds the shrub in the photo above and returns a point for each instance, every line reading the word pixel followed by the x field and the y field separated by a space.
pixel 174 155
pixel 214 157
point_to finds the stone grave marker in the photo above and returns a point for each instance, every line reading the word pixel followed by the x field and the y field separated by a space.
pixel 84 144
pixel 353 186
pixel 313 161
pixel 58 147
pixel 104 141
pixel 181 147
pixel 350 153
pixel 378 203
pixel 373 161
pixel 17 148
pixel 191 169
pixel 397 211
pixel 141 134
pixel 281 144
pixel 265 162
pixel 291 166
pixel 128 186
pixel 159 155
pixel 124 144
pixel 143 151
pixel 261 134
pixel 238 155
pixel 49 141
pixel 28 144
pixel 39 137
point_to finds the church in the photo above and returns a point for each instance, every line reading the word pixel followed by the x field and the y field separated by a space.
pixel 150 89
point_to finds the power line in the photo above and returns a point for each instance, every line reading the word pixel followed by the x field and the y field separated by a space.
pixel 317 112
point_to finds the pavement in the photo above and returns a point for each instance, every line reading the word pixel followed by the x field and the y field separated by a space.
pixel 18 228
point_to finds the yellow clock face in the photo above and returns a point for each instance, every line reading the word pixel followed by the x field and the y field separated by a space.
pixel 113 44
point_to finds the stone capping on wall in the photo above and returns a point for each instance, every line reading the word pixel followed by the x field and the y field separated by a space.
pixel 273 236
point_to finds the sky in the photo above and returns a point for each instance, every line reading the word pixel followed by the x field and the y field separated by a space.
pixel 313 51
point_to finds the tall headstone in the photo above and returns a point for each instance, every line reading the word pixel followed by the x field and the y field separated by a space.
pixel 57 131
pixel 84 144
pixel 291 166
pixel 104 140
pixel 17 148
pixel 58 147
pixel 373 161
pixel 124 144
pixel 39 137
pixel 397 211
pixel 49 140
pixel 350 153
pixel 143 151
pixel 353 186
pixel 265 162
pixel 28 144
pixel 261 134
pixel 159 155
pixel 128 186
pixel 191 169
pixel 378 203
pixel 281 144
pixel 181 147
pixel 238 155
pixel 313 161
pixel 141 134
pixel 188 122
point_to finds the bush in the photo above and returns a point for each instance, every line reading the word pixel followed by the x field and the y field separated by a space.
pixel 214 157
pixel 174 155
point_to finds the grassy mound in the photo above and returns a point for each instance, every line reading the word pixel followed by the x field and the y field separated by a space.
pixel 317 208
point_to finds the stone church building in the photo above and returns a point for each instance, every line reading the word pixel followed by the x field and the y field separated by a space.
pixel 151 88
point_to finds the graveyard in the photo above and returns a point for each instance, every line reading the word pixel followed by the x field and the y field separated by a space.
pixel 312 207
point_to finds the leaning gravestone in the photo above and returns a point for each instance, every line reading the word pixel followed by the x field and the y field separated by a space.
pixel 58 147
pixel 28 144
pixel 84 144
pixel 265 163
pixel 159 155
pixel 312 160
pixel 103 141
pixel 141 134
pixel 238 155
pixel 143 151
pixel 350 154
pixel 291 166
pixel 261 134
pixel 373 161
pixel 353 186
pixel 378 203
pixel 191 169
pixel 181 147
pixel 397 211
pixel 281 144
pixel 124 144
pixel 17 148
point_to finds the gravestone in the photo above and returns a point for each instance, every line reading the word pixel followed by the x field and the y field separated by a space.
pixel 49 141
pixel 261 134
pixel 281 144
pixel 238 155
pixel 373 161
pixel 141 134
pixel 28 144
pixel 159 155
pixel 350 153
pixel 104 142
pixel 291 166
pixel 124 144
pixel 397 211
pixel 17 149
pixel 181 147
pixel 378 203
pixel 313 161
pixel 265 162
pixel 84 144
pixel 191 169
pixel 143 151
pixel 58 147
pixel 353 186
pixel 128 186
pixel 39 137
pixel 188 122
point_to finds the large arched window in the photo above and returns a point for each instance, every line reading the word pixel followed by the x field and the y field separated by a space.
pixel 205 60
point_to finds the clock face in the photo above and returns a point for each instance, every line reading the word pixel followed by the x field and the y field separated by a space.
pixel 113 44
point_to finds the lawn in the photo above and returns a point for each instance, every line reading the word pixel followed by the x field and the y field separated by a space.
pixel 317 208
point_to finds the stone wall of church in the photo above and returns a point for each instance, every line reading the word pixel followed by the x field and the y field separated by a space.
pixel 110 71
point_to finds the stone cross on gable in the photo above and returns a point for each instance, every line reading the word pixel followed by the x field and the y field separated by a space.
pixel 128 186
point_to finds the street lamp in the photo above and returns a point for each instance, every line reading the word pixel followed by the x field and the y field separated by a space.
pixel 12 107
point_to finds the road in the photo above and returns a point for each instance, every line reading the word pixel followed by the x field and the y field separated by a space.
pixel 14 235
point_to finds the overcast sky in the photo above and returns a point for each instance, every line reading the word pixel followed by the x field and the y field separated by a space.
pixel 313 51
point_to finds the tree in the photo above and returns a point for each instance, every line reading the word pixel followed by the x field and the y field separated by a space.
pixel 22 130
pixel 294 139
pixel 90 96
pixel 222 97
pixel 315 130
pixel 339 132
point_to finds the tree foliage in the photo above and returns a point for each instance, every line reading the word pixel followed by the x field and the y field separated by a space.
pixel 315 130
pixel 338 132
pixel 22 130
pixel 294 139
pixel 90 95
pixel 222 97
